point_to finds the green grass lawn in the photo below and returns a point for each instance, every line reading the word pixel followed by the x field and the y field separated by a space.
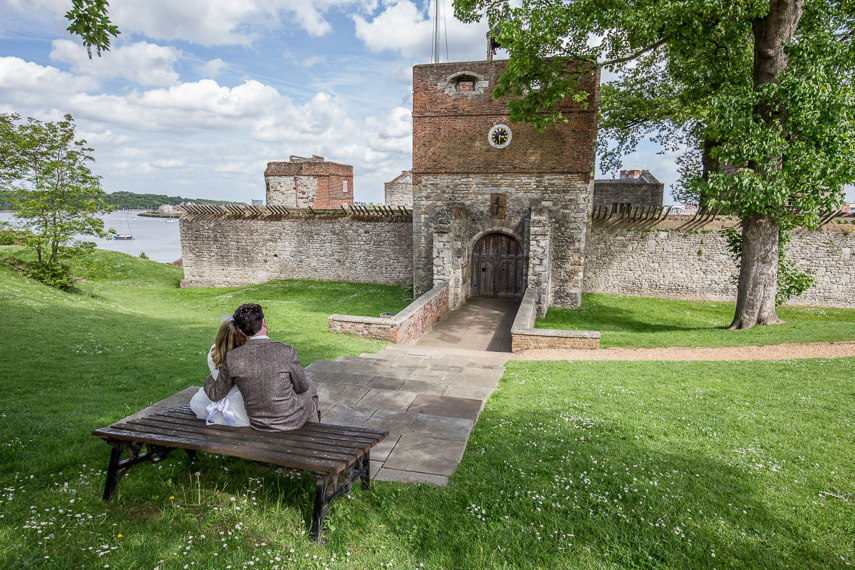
pixel 571 465
pixel 651 322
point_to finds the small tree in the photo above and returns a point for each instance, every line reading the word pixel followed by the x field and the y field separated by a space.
pixel 44 172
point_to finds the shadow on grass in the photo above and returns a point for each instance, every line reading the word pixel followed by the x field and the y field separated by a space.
pixel 526 497
pixel 601 313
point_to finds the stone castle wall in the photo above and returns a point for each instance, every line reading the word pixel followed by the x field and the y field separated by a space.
pixel 229 251
pixel 672 258
pixel 695 264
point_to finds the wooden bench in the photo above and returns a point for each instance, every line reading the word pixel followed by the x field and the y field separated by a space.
pixel 336 455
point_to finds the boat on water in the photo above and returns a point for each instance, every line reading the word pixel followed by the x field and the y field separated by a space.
pixel 130 234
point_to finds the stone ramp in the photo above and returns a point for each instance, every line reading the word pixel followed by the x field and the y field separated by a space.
pixel 427 399
pixel 480 324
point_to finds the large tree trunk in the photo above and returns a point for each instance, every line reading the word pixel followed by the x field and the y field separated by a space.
pixel 758 273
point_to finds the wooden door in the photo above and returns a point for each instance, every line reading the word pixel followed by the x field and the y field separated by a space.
pixel 497 267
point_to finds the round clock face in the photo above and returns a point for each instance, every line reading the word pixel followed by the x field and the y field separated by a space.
pixel 500 136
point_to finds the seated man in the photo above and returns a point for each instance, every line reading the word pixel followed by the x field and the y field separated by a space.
pixel 276 392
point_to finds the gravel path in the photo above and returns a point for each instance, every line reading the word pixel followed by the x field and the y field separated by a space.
pixel 771 352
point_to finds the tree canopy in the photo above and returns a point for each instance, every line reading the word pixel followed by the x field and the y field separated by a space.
pixel 759 91
pixel 45 171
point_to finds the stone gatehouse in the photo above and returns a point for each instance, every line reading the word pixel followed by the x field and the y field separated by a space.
pixel 498 207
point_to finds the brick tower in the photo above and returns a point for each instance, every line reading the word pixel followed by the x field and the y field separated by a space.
pixel 309 182
pixel 497 206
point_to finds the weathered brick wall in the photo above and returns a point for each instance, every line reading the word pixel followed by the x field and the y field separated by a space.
pixel 404 328
pixel 292 191
pixel 231 251
pixel 450 126
pixel 314 183
pixel 637 188
pixel 695 264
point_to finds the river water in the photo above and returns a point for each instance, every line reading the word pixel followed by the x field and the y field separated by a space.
pixel 157 237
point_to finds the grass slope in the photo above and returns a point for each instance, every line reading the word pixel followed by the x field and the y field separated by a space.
pixel 572 465
pixel 650 322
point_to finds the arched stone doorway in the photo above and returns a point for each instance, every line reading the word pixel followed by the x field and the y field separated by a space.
pixel 498 263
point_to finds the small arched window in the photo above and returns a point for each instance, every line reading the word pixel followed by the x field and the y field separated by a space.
pixel 465 83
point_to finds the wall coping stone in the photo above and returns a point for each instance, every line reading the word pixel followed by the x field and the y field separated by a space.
pixel 393 324
pixel 523 330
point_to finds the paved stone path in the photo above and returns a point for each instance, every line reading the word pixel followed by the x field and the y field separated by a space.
pixel 428 396
pixel 428 399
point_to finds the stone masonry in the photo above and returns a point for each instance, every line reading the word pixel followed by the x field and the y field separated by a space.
pixel 309 183
pixel 233 250
pixel 399 192
pixel 465 186
pixel 695 263
pixel 634 189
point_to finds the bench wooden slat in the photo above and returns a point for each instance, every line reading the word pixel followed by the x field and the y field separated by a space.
pixel 330 429
pixel 215 445
pixel 321 435
pixel 249 434
pixel 297 447
pixel 304 441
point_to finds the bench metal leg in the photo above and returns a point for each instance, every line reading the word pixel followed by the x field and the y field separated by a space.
pixel 114 472
pixel 328 487
pixel 118 466
pixel 365 470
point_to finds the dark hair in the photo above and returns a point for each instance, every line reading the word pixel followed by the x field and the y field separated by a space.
pixel 248 318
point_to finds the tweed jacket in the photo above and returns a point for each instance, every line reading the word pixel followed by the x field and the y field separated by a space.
pixel 269 375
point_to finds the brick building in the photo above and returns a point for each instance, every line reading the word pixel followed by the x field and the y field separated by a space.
pixel 498 207
pixel 309 182
pixel 634 189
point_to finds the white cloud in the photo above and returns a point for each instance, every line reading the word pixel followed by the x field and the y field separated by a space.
pixel 141 62
pixel 319 121
pixel 199 106
pixel 213 68
pixel 403 27
pixel 28 85
pixel 171 163
pixel 206 22
pixel 223 22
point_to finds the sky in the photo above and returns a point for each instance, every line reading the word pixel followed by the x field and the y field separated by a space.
pixel 195 97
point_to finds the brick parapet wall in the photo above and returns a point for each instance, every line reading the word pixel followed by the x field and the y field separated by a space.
pixel 450 127
pixel 229 251
pixel 316 184
pixel 404 328
pixel 525 337
pixel 695 264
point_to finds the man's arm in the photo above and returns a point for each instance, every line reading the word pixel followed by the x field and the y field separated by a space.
pixel 295 369
pixel 218 388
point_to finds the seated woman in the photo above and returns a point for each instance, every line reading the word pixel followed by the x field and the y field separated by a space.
pixel 230 410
